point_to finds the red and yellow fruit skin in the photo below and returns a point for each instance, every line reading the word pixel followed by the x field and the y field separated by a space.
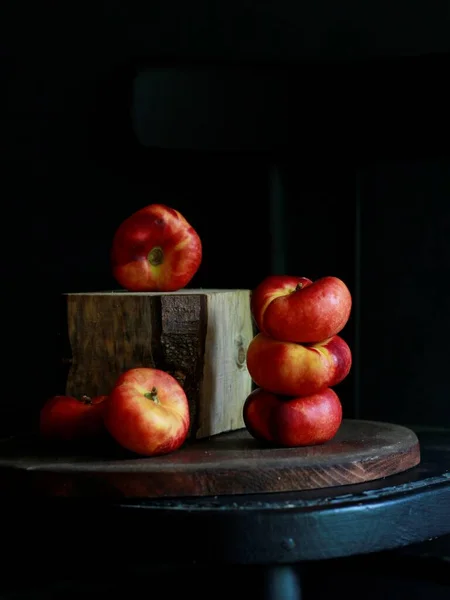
pixel 297 369
pixel 155 250
pixel 296 309
pixel 148 412
pixel 293 421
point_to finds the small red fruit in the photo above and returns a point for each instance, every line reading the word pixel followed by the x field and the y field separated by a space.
pixel 297 369
pixel 289 422
pixel 148 412
pixel 67 418
pixel 296 309
pixel 155 250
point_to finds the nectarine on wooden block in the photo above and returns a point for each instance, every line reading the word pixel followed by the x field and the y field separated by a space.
pixel 198 336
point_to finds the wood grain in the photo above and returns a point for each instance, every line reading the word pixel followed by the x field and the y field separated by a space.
pixel 199 336
pixel 230 463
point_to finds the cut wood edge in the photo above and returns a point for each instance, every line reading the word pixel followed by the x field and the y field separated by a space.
pixel 209 473
pixel 233 348
pixel 136 485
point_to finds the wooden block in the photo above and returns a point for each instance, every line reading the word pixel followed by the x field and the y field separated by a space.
pixel 199 336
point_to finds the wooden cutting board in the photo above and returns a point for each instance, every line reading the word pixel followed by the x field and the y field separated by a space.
pixel 229 463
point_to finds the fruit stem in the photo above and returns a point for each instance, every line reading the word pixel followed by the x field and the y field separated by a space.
pixel 156 256
pixel 86 399
pixel 298 286
pixel 153 395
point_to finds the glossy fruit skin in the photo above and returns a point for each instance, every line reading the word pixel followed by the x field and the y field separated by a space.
pixel 67 418
pixel 293 421
pixel 155 250
pixel 148 412
pixel 297 369
pixel 296 309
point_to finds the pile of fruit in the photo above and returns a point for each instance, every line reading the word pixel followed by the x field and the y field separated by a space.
pixel 296 359
pixel 147 411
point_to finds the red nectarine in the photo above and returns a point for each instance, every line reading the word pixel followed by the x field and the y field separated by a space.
pixel 148 412
pixel 297 369
pixel 290 422
pixel 295 309
pixel 155 250
pixel 66 418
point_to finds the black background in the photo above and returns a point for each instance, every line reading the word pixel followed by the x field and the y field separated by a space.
pixel 349 109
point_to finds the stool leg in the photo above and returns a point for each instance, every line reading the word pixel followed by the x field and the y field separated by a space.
pixel 281 582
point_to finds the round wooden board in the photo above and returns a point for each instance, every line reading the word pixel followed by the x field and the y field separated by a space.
pixel 231 463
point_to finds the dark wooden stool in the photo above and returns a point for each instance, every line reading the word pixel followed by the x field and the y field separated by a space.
pixel 277 531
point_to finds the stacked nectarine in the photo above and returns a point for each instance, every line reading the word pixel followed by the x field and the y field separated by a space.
pixel 296 359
